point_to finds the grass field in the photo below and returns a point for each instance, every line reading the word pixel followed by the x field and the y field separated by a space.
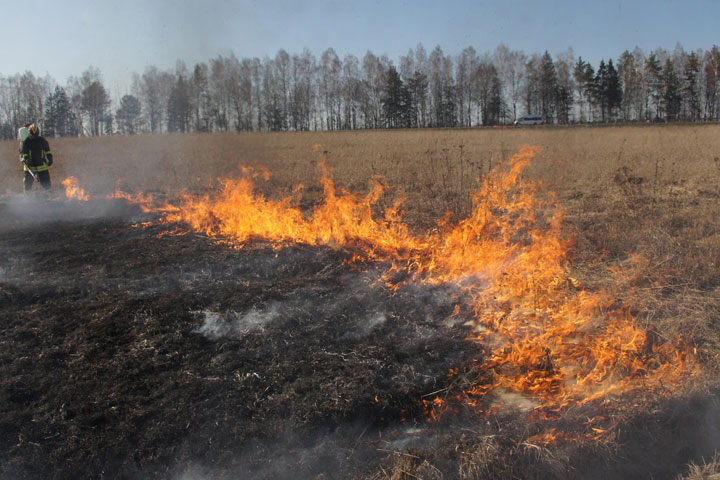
pixel 642 199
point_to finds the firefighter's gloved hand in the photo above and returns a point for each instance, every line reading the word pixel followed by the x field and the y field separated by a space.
pixel 49 161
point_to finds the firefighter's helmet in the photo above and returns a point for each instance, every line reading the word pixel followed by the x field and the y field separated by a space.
pixel 33 129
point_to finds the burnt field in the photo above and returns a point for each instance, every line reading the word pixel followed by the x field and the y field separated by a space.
pixel 138 344
pixel 126 354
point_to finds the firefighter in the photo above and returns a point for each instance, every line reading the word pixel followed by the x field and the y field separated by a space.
pixel 35 155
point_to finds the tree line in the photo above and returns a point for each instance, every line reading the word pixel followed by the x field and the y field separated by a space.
pixel 302 92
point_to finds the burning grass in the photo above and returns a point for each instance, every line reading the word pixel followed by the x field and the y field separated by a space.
pixel 588 333
pixel 552 345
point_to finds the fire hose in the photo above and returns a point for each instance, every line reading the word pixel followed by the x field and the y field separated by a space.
pixel 27 168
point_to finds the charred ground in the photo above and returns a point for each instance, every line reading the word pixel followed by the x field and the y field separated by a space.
pixel 129 353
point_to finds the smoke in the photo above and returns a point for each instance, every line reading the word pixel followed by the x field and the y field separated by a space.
pixel 231 324
pixel 358 306
pixel 21 211
pixel 376 320
pixel 217 325
pixel 338 452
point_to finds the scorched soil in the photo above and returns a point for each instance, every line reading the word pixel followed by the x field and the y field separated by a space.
pixel 129 351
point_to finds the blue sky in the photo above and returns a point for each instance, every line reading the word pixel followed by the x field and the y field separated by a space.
pixel 63 38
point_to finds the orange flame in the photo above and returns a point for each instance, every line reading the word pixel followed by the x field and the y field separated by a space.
pixel 145 202
pixel 343 220
pixel 73 191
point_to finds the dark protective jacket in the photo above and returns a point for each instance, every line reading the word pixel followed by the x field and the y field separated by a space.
pixel 36 153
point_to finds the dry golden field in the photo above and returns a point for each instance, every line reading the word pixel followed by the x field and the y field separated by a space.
pixel 643 200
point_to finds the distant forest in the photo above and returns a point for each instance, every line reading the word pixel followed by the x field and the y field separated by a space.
pixel 303 92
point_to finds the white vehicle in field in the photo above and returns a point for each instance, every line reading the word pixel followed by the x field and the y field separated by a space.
pixel 529 120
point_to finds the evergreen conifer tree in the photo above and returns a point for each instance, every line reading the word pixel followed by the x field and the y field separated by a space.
pixel 396 101
pixel 613 91
pixel 691 88
pixel 58 114
pixel 671 91
pixel 128 115
pixel 178 107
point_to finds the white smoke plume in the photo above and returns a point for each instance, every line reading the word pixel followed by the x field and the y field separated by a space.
pixel 18 211
pixel 218 325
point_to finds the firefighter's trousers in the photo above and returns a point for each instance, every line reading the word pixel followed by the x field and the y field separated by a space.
pixel 43 178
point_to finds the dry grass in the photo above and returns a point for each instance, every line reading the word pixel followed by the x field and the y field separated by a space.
pixel 706 471
pixel 425 162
